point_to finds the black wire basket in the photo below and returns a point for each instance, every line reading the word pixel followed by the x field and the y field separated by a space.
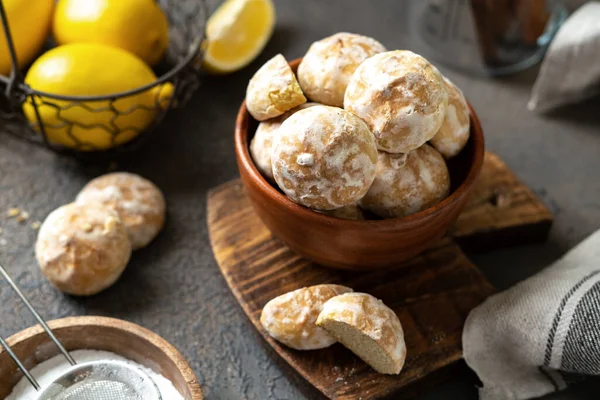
pixel 180 68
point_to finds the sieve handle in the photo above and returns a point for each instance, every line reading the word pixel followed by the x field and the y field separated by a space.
pixel 24 370
pixel 37 317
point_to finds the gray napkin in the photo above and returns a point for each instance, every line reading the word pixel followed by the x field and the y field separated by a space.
pixel 542 334
pixel 570 71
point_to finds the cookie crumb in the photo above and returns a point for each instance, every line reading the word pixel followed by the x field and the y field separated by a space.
pixel 35 225
pixel 13 212
pixel 22 217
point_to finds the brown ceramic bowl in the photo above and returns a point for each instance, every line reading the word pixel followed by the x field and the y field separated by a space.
pixel 348 244
pixel 131 341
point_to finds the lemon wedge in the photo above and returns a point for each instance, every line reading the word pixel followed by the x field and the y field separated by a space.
pixel 236 33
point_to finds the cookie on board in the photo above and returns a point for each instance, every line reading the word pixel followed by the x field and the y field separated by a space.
pixel 290 318
pixel 367 327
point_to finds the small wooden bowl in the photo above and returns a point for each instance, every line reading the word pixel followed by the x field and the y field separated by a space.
pixel 348 244
pixel 129 340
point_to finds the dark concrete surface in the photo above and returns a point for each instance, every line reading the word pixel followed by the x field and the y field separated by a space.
pixel 174 286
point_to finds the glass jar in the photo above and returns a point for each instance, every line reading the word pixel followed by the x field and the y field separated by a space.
pixel 490 37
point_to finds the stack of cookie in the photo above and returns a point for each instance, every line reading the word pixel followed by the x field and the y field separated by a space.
pixel 375 136
pixel 83 247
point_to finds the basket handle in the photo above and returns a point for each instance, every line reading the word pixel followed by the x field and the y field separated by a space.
pixel 15 74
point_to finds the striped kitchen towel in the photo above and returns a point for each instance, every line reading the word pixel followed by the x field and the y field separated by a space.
pixel 542 334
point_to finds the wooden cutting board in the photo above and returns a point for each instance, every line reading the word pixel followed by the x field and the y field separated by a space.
pixel 432 293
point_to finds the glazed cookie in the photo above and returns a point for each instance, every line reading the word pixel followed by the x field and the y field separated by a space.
pixel 367 327
pixel 324 158
pixel 261 143
pixel 139 203
pixel 290 318
pixel 454 133
pixel 273 90
pixel 402 98
pixel 352 211
pixel 329 63
pixel 82 248
pixel 407 183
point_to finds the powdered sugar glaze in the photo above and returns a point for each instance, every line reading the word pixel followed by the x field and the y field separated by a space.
pixel 402 98
pixel 324 158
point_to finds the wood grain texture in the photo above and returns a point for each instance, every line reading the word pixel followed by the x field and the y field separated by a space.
pixel 33 346
pixel 501 211
pixel 432 295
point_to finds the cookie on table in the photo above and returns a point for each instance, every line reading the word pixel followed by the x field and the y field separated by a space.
pixel 407 183
pixel 454 132
pixel 139 203
pixel 262 142
pixel 326 68
pixel 324 158
pixel 83 248
pixel 367 327
pixel 401 96
pixel 290 318
pixel 273 90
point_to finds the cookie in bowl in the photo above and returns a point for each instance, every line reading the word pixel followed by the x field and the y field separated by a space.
pixel 326 68
pixel 454 132
pixel 401 96
pixel 273 90
pixel 353 212
pixel 407 183
pixel 331 239
pixel 262 142
pixel 324 158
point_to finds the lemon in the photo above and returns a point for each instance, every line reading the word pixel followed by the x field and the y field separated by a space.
pixel 91 69
pixel 29 22
pixel 139 26
pixel 237 32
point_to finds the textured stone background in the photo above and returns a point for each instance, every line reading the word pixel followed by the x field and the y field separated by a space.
pixel 174 286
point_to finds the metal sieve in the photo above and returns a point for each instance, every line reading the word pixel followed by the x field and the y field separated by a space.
pixel 97 380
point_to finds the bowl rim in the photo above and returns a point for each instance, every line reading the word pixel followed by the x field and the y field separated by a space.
pixel 167 348
pixel 243 152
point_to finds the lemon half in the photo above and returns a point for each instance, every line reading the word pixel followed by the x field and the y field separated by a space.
pixel 237 32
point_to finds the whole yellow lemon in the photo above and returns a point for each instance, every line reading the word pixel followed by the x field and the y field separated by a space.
pixel 139 26
pixel 91 69
pixel 29 22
